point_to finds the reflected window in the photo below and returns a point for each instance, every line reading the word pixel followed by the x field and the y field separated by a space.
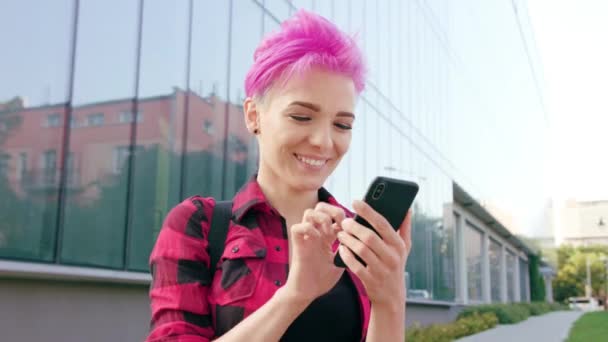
pixel 74 122
pixel 96 119
pixel 119 157
pixel 127 117
pixel 49 167
pixel 53 120
pixel 4 163
pixel 22 166
pixel 208 127
pixel 71 172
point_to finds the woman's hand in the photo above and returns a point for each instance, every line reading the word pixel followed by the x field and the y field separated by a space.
pixel 312 272
pixel 385 255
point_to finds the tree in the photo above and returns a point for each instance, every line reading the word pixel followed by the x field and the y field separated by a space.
pixel 572 272
pixel 537 283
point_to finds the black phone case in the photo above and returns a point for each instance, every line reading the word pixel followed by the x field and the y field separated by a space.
pixel 393 202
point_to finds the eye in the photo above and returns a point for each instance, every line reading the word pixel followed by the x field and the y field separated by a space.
pixel 343 126
pixel 300 117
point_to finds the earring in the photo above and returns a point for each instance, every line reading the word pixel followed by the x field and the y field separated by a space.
pixel 256 131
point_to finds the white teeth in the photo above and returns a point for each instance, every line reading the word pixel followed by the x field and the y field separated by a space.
pixel 312 162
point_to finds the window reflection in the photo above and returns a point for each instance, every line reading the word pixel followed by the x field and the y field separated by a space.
pixel 94 223
pixel 33 108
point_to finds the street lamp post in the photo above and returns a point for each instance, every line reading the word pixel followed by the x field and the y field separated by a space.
pixel 605 260
pixel 588 284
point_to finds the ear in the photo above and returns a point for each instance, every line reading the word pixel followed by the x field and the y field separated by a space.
pixel 252 115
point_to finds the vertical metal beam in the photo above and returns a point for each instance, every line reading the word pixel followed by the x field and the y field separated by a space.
pixel 462 289
pixel 227 110
pixel 133 140
pixel 65 144
pixel 183 172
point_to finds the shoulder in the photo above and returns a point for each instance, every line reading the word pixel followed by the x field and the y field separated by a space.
pixel 191 216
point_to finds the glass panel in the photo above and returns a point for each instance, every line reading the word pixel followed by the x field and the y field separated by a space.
pixel 305 4
pixel 280 9
pixel 494 252
pixel 156 178
pixel 33 98
pixel 523 280
pixel 511 276
pixel 241 157
pixel 206 110
pixel 473 255
pixel 95 213
pixel 444 239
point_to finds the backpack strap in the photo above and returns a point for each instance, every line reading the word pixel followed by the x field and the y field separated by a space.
pixel 220 223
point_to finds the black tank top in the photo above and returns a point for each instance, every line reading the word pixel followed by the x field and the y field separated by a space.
pixel 335 316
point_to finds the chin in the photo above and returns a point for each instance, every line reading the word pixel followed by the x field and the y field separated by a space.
pixel 308 183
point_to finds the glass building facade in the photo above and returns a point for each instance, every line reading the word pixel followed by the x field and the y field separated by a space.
pixel 112 112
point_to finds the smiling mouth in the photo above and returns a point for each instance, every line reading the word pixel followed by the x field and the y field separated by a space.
pixel 310 161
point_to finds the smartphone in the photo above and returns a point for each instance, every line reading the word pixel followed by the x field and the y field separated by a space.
pixel 391 198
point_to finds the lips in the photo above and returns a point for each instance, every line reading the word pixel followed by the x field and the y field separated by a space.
pixel 311 161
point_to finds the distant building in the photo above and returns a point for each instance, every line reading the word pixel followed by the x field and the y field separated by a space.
pixel 582 223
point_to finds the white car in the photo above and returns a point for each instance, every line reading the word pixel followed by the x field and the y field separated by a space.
pixel 583 303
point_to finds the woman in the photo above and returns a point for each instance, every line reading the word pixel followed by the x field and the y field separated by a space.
pixel 276 278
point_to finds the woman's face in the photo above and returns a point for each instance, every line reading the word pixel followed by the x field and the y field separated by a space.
pixel 305 128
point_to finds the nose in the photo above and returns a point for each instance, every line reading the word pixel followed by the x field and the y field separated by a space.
pixel 322 138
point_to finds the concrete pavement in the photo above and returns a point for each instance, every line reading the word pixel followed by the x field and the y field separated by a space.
pixel 551 327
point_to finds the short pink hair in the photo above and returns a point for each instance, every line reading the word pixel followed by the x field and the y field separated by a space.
pixel 304 41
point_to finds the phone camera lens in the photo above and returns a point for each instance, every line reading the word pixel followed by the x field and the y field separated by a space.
pixel 378 191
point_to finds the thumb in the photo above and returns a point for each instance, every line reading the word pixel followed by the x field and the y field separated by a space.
pixel 405 230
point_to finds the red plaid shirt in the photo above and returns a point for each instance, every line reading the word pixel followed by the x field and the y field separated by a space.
pixel 188 306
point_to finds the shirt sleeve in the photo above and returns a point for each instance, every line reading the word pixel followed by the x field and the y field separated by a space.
pixel 181 279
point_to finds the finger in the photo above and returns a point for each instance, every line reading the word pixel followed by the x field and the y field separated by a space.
pixel 359 248
pixel 380 224
pixel 367 237
pixel 352 263
pixel 405 230
pixel 321 220
pixel 336 213
pixel 305 231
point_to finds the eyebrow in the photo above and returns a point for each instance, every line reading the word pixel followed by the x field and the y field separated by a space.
pixel 317 108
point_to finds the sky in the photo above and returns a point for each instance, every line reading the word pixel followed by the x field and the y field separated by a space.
pixel 572 44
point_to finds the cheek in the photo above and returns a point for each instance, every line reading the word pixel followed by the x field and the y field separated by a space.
pixel 342 143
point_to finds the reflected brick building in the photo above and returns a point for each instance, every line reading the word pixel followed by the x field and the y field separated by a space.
pixel 100 138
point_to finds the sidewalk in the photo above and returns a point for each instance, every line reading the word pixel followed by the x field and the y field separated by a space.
pixel 551 327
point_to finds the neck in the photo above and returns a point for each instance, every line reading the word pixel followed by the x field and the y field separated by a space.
pixel 289 202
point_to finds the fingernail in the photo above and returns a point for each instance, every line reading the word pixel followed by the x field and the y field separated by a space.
pixel 305 236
